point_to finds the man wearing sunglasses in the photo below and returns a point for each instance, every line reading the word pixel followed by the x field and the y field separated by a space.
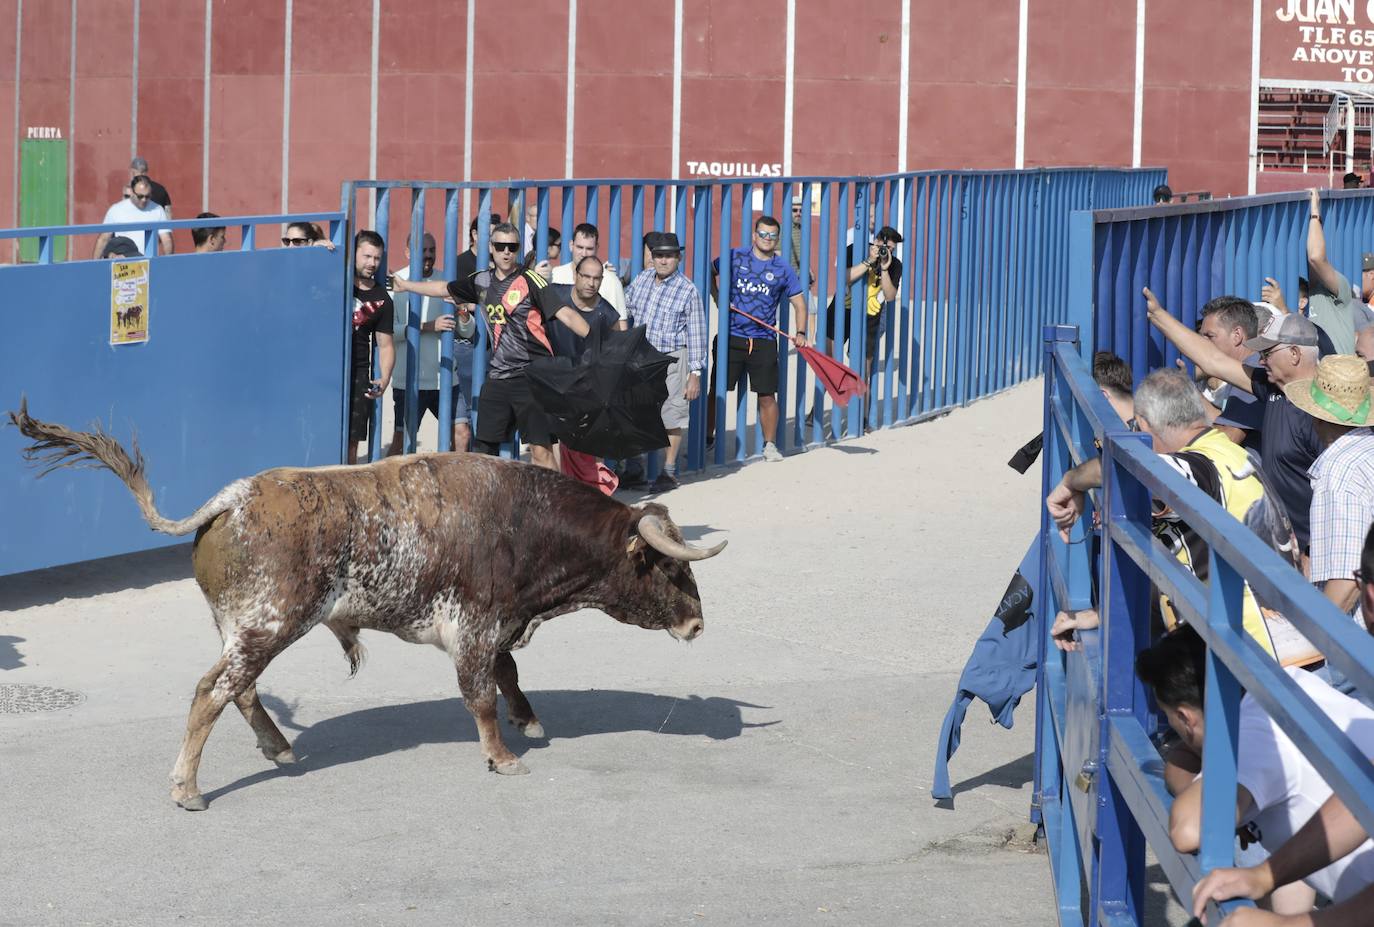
pixel 760 281
pixel 518 305
pixel 1287 348
pixel 139 207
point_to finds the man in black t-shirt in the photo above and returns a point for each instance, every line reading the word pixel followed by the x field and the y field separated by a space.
pixel 583 296
pixel 881 272
pixel 373 318
pixel 518 306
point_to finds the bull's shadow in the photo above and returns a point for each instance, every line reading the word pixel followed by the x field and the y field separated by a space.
pixel 373 732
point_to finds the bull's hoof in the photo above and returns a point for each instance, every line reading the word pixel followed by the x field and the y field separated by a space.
pixel 512 768
pixel 192 802
pixel 284 758
pixel 534 730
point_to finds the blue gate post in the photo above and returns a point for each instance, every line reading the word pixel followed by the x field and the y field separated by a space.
pixel 446 367
pixel 701 276
pixel 637 233
pixel 479 350
pixel 799 435
pixel 412 343
pixel 724 284
pixel 383 223
pixel 1124 591
pixel 822 307
pixel 1222 695
pixel 858 307
pixel 1080 295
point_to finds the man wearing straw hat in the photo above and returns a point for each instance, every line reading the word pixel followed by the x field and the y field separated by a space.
pixel 1338 398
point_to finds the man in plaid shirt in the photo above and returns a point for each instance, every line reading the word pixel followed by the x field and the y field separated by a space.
pixel 1338 398
pixel 669 307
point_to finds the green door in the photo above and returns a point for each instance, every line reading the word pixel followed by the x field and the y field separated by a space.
pixel 42 192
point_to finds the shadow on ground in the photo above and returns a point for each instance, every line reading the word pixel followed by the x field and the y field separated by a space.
pixel 373 732
pixel 95 577
pixel 1011 775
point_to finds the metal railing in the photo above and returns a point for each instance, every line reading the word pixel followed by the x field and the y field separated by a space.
pixel 985 257
pixel 1099 792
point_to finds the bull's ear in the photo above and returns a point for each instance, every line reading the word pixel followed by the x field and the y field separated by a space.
pixel 634 545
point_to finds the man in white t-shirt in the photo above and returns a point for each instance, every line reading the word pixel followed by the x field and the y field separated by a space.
pixel 584 243
pixel 1278 790
pixel 436 317
pixel 139 207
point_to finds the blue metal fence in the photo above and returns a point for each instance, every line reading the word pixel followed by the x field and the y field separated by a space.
pixel 1099 791
pixel 1190 253
pixel 985 255
pixel 241 370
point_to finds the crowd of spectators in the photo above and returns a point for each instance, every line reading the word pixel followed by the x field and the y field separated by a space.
pixel 1276 429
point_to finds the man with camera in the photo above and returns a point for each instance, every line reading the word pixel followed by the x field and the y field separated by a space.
pixel 883 271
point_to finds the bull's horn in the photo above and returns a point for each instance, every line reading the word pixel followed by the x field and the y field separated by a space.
pixel 652 531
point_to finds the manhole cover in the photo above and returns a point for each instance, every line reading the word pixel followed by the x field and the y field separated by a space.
pixel 19 699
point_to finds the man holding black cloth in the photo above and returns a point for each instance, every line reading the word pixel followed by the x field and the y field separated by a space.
pixel 518 306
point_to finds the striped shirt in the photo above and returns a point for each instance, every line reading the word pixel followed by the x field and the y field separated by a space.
pixel 671 313
pixel 1342 504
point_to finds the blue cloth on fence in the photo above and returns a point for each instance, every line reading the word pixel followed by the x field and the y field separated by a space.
pixel 1002 666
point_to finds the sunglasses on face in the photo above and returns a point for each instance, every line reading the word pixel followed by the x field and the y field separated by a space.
pixel 1264 355
pixel 767 236
pixel 294 242
pixel 505 246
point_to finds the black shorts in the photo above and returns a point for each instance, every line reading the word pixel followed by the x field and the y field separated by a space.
pixel 758 356
pixel 429 402
pixel 875 334
pixel 360 407
pixel 505 405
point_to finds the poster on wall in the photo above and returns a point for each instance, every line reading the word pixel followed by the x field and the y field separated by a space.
pixel 1317 43
pixel 128 302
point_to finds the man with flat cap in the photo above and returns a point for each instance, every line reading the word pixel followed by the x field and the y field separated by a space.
pixel 669 307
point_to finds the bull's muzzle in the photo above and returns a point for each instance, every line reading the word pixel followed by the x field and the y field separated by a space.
pixel 688 630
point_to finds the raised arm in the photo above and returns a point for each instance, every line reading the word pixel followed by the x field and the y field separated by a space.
pixel 1317 264
pixel 1194 346
pixel 573 319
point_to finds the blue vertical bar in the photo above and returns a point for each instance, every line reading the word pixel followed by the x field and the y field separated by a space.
pixel 822 305
pixel 838 311
pixel 450 246
pixel 858 305
pixel 569 205
pixel 800 438
pixel 701 275
pixel 541 223
pixel 594 205
pixel 479 351
pixel 746 212
pixel 723 287
pixel 637 232
pixel 680 192
pixel 414 303
pixel 1222 694
pixel 614 232
pixel 660 208
pixel 384 229
pixel 917 271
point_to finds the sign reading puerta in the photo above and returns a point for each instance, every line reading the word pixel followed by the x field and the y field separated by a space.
pixel 1317 43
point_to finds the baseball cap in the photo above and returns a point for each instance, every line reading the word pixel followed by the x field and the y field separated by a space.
pixel 1289 328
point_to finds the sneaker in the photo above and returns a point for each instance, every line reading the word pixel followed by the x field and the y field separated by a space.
pixel 771 452
pixel 664 482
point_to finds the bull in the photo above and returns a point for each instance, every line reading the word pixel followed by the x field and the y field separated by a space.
pixel 466 552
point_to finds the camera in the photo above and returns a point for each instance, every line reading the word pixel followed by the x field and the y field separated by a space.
pixel 884 252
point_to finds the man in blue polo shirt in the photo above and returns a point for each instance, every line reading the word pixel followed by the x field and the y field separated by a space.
pixel 759 281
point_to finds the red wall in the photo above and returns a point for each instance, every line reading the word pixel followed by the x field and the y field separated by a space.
pixel 962 80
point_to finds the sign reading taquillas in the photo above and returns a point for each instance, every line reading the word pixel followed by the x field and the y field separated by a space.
pixel 1311 43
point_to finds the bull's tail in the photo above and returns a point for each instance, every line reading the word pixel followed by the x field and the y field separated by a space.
pixel 55 446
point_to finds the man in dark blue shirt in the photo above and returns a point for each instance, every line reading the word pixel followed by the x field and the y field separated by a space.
pixel 759 281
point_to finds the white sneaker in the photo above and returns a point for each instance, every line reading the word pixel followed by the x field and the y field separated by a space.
pixel 771 452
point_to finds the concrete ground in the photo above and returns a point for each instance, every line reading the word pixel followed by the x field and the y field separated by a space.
pixel 776 771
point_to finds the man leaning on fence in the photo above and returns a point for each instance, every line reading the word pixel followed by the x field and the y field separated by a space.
pixel 373 319
pixel 1329 835
pixel 1277 788
pixel 1287 349
pixel 669 307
